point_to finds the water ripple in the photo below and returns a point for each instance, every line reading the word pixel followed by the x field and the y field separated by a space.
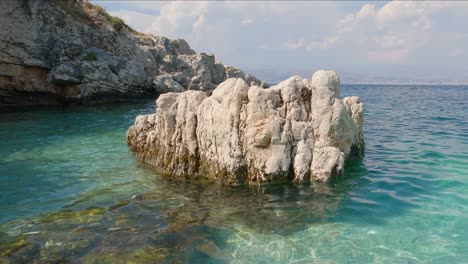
pixel 71 190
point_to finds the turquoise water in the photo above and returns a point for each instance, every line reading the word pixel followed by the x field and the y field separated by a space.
pixel 72 192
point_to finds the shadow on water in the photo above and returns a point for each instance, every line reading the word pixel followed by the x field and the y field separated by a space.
pixel 53 122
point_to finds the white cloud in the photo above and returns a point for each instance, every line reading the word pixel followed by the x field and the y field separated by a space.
pixel 313 34
pixel 392 40
pixel 294 44
pixel 224 27
pixel 326 43
pixel 199 24
pixel 179 18
pixel 247 21
pixel 389 34
pixel 351 21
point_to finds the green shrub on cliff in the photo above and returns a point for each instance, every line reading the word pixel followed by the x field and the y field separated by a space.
pixel 91 56
pixel 117 23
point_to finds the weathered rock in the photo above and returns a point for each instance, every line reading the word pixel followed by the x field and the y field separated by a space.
pixel 297 130
pixel 327 80
pixel 355 108
pixel 220 131
pixel 164 84
pixel 56 51
pixel 232 72
pixel 181 47
pixel 67 73
pixel 171 133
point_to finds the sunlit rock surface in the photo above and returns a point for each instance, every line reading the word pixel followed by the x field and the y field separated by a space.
pixel 297 130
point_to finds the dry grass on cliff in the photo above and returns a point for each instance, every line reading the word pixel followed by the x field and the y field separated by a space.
pixel 100 16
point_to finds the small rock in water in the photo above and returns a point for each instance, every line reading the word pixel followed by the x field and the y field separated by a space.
pixel 312 253
pixel 346 232
pixel 82 243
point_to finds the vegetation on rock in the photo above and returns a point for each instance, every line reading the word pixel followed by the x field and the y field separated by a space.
pixel 116 22
pixel 9 247
pixel 91 56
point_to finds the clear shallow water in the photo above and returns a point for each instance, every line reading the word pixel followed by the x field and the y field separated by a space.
pixel 72 192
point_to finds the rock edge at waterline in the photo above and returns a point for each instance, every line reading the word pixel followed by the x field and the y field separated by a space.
pixel 297 130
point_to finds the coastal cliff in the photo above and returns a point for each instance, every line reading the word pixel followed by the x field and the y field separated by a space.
pixel 298 130
pixel 55 52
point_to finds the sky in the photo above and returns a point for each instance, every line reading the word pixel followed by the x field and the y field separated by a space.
pixel 422 41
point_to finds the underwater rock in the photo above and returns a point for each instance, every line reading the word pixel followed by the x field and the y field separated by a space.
pixel 297 130
pixel 146 254
pixel 9 247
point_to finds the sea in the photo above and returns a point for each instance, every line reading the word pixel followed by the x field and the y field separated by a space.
pixel 72 192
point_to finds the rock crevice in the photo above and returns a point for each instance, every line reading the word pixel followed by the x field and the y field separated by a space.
pixel 298 130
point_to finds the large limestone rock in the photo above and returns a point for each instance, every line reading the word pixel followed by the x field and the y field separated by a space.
pixel 69 51
pixel 297 130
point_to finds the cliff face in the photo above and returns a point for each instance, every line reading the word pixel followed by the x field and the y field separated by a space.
pixel 298 130
pixel 56 51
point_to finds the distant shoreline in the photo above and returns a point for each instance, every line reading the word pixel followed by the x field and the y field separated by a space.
pixel 273 76
pixel 396 84
pixel 408 84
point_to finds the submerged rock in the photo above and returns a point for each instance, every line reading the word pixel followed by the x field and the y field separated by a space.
pixel 297 130
pixel 9 247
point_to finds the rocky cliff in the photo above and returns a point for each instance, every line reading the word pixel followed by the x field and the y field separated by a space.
pixel 56 51
pixel 298 130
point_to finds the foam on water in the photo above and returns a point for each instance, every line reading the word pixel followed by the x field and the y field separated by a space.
pixel 71 191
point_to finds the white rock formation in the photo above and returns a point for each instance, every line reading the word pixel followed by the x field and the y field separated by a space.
pixel 297 130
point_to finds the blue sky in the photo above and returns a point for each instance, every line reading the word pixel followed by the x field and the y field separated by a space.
pixel 391 40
